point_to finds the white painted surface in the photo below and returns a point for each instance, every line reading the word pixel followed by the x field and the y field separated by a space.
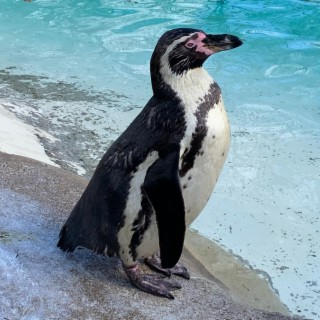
pixel 19 138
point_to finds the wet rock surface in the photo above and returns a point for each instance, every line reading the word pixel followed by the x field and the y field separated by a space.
pixel 39 281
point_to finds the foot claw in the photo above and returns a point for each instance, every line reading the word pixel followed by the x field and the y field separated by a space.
pixel 155 284
pixel 154 263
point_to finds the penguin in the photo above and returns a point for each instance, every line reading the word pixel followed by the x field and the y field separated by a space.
pixel 158 175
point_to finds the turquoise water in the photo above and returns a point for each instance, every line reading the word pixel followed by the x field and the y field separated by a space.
pixel 266 205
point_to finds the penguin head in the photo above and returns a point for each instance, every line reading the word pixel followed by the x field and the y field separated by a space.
pixel 180 50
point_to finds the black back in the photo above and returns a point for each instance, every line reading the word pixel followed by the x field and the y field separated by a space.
pixel 97 217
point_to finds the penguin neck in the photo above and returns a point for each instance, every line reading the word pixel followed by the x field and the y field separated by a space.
pixel 190 86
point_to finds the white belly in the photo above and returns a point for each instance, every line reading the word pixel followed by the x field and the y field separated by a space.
pixel 198 184
pixel 150 243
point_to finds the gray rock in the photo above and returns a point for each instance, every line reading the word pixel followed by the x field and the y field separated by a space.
pixel 38 281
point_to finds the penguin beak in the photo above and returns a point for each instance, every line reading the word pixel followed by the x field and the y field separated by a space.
pixel 221 42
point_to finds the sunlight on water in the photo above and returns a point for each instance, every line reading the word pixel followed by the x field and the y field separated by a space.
pixel 85 66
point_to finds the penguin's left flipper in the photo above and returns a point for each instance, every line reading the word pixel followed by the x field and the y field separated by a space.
pixel 162 188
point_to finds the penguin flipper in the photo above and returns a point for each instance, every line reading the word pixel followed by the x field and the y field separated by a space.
pixel 162 188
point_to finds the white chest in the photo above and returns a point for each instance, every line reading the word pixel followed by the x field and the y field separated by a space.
pixel 198 182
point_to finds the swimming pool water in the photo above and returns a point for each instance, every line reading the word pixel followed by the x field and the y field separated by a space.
pixel 86 64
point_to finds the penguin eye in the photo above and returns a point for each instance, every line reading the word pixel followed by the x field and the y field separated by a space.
pixel 190 45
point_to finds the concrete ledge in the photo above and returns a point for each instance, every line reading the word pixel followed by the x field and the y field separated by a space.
pixel 39 281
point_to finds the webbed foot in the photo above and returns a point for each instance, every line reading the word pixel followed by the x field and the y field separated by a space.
pixel 154 263
pixel 151 283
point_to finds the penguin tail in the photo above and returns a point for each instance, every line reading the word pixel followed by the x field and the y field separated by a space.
pixel 86 227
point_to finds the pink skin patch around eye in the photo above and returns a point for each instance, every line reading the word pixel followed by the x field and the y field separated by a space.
pixel 200 45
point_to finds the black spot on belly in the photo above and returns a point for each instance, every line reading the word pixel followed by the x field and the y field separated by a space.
pixel 201 130
pixel 140 226
pixel 184 186
pixel 190 177
pixel 222 154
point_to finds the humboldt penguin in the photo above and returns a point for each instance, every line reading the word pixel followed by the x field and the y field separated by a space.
pixel 156 178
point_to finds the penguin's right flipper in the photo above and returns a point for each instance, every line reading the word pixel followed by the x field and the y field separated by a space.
pixel 162 188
